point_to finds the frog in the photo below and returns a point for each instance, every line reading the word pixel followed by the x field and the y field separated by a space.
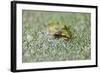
pixel 59 30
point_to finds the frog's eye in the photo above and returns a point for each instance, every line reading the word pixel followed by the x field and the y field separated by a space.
pixel 58 34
